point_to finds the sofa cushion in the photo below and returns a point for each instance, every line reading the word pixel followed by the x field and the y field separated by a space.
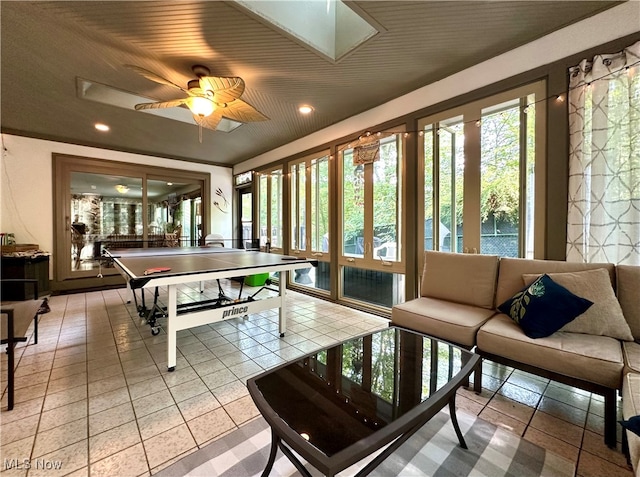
pixel 631 355
pixel 460 277
pixel 512 269
pixel 597 359
pixel 630 408
pixel 628 284
pixel 605 316
pixel 446 320
pixel 543 307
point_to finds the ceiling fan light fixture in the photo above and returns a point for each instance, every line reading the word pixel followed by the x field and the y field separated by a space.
pixel 202 106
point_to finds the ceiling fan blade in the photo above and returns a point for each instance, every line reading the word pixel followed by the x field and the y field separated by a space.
pixel 154 77
pixel 238 110
pixel 162 104
pixel 209 122
pixel 225 89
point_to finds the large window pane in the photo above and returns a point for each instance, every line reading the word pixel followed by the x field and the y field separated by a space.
pixel 352 206
pixel 430 238
pixel 450 147
pixel 479 173
pixel 530 195
pixel 298 209
pixel 276 209
pixel 386 203
pixel 246 211
pixel 271 214
pixel 320 204
pixel 500 179
pixel 309 179
pixel 264 210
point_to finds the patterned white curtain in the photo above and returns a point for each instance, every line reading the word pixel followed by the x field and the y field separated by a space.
pixel 603 223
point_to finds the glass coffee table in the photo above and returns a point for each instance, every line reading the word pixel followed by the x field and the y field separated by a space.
pixel 341 404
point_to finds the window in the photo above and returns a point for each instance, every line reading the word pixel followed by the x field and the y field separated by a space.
pixel 271 226
pixel 370 220
pixel 309 180
pixel 483 176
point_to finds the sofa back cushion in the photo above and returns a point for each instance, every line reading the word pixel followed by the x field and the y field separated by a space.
pixel 510 279
pixel 460 277
pixel 628 291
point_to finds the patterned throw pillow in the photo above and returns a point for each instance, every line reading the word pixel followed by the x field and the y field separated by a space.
pixel 605 317
pixel 633 424
pixel 544 307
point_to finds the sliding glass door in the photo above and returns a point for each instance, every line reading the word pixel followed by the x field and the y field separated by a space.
pixel 102 204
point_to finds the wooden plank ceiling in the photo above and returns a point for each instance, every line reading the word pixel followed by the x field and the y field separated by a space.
pixel 46 46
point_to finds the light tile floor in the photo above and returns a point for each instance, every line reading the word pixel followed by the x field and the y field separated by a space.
pixel 94 397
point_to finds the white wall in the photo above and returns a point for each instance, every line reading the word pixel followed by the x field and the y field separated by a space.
pixel 614 23
pixel 27 185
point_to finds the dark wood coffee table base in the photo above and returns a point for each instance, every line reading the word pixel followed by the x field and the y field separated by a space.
pixel 277 443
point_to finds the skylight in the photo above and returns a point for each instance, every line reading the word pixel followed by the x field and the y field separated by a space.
pixel 115 97
pixel 329 27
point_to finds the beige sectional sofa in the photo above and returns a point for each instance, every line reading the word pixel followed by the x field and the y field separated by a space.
pixel 460 294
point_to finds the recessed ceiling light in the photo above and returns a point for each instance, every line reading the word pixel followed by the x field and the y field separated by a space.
pixel 101 127
pixel 305 109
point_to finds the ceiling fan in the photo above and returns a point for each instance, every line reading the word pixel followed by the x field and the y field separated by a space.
pixel 209 97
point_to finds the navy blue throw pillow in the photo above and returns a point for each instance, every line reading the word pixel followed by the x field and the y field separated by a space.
pixel 633 424
pixel 544 307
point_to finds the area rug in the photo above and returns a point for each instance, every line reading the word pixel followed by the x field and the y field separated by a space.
pixel 432 451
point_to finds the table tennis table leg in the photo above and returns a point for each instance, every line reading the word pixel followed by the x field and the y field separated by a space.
pixel 172 315
pixel 283 303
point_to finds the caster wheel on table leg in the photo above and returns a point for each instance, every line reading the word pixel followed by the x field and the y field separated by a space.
pixel 155 331
pixel 171 369
pixel 281 335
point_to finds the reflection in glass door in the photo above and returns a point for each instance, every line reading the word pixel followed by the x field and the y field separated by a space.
pixel 102 206
pixel 174 212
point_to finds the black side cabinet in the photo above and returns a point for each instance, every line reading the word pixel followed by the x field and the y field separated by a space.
pixel 25 267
